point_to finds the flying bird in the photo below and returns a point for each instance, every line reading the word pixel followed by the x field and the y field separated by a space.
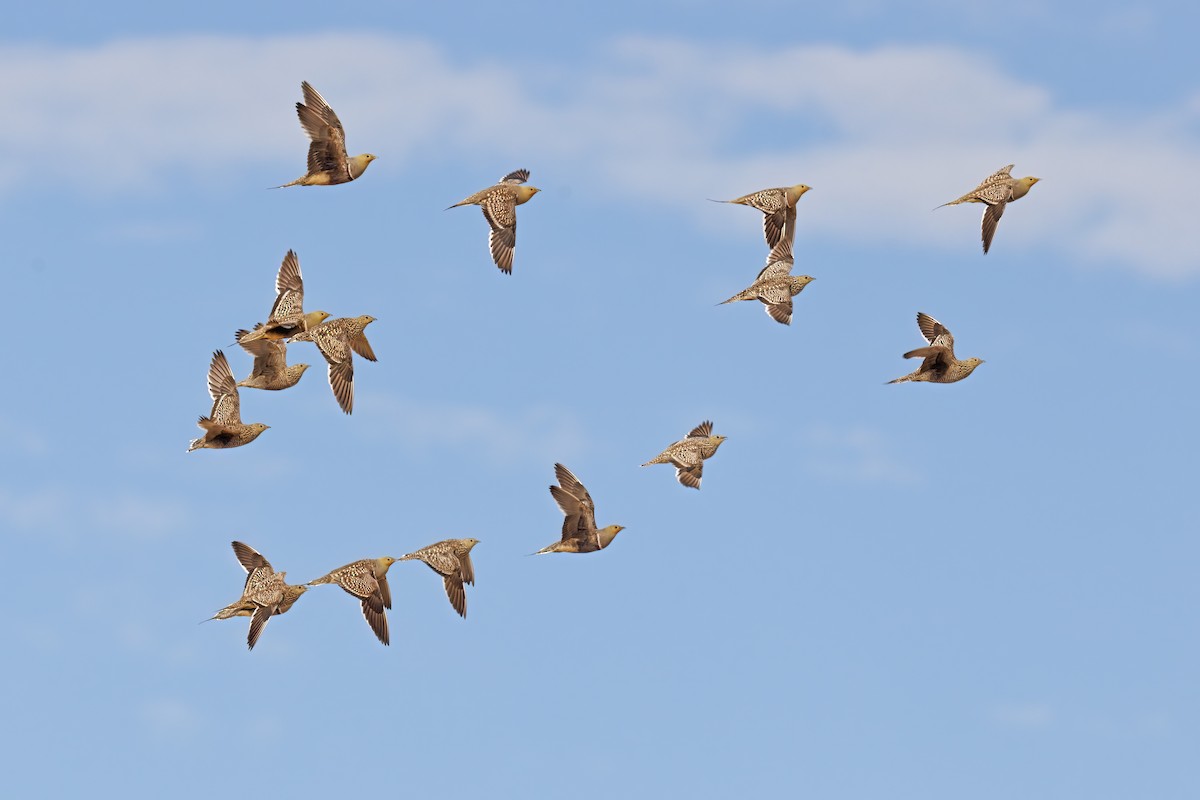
pixel 688 454
pixel 327 161
pixel 775 285
pixel 450 558
pixel 777 205
pixel 337 339
pixel 265 594
pixel 938 363
pixel 367 580
pixel 270 370
pixel 996 191
pixel 287 317
pixel 579 532
pixel 223 426
pixel 499 205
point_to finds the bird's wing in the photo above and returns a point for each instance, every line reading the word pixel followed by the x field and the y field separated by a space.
pixel 385 591
pixel 936 359
pixel 516 176
pixel 500 210
pixel 701 431
pixel 572 485
pixel 262 615
pixel 773 225
pixel 341 367
pixel 690 476
pixel 373 613
pixel 440 560
pixel 685 456
pixel 327 153
pixel 456 593
pixel 359 581
pixel 779 261
pixel 781 310
pixel 223 388
pixel 466 570
pixel 289 289
pixel 998 176
pixel 341 380
pixel 248 557
pixel 928 326
pixel 991 217
pixel 360 345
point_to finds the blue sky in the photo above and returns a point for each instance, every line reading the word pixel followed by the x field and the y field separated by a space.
pixel 981 590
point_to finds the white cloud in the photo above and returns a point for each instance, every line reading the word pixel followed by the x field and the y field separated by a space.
pixel 856 454
pixel 883 134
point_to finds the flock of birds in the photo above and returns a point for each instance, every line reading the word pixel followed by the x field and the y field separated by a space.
pixel 266 592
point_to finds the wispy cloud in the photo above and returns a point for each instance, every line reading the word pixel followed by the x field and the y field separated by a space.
pixel 652 120
pixel 857 455
pixel 57 510
pixel 168 715
pixel 538 433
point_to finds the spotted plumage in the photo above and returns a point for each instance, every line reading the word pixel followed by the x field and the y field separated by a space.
pixel 270 370
pixel 778 206
pixel 499 205
pixel 367 580
pixel 264 595
pixel 579 532
pixel 775 286
pixel 337 339
pixel 450 558
pixel 223 426
pixel 287 317
pixel 328 164
pixel 996 191
pixel 938 364
pixel 688 454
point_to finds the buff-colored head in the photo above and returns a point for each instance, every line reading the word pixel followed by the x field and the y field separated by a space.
pixel 314 318
pixel 800 281
pixel 256 428
pixel 1022 186
pixel 794 193
pixel 523 193
pixel 971 364
pixel 608 533
pixel 383 564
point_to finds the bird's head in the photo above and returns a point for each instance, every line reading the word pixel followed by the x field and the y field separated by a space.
pixel 257 427
pixel 314 318
pixel 794 193
pixel 1022 186
pixel 972 363
pixel 608 533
